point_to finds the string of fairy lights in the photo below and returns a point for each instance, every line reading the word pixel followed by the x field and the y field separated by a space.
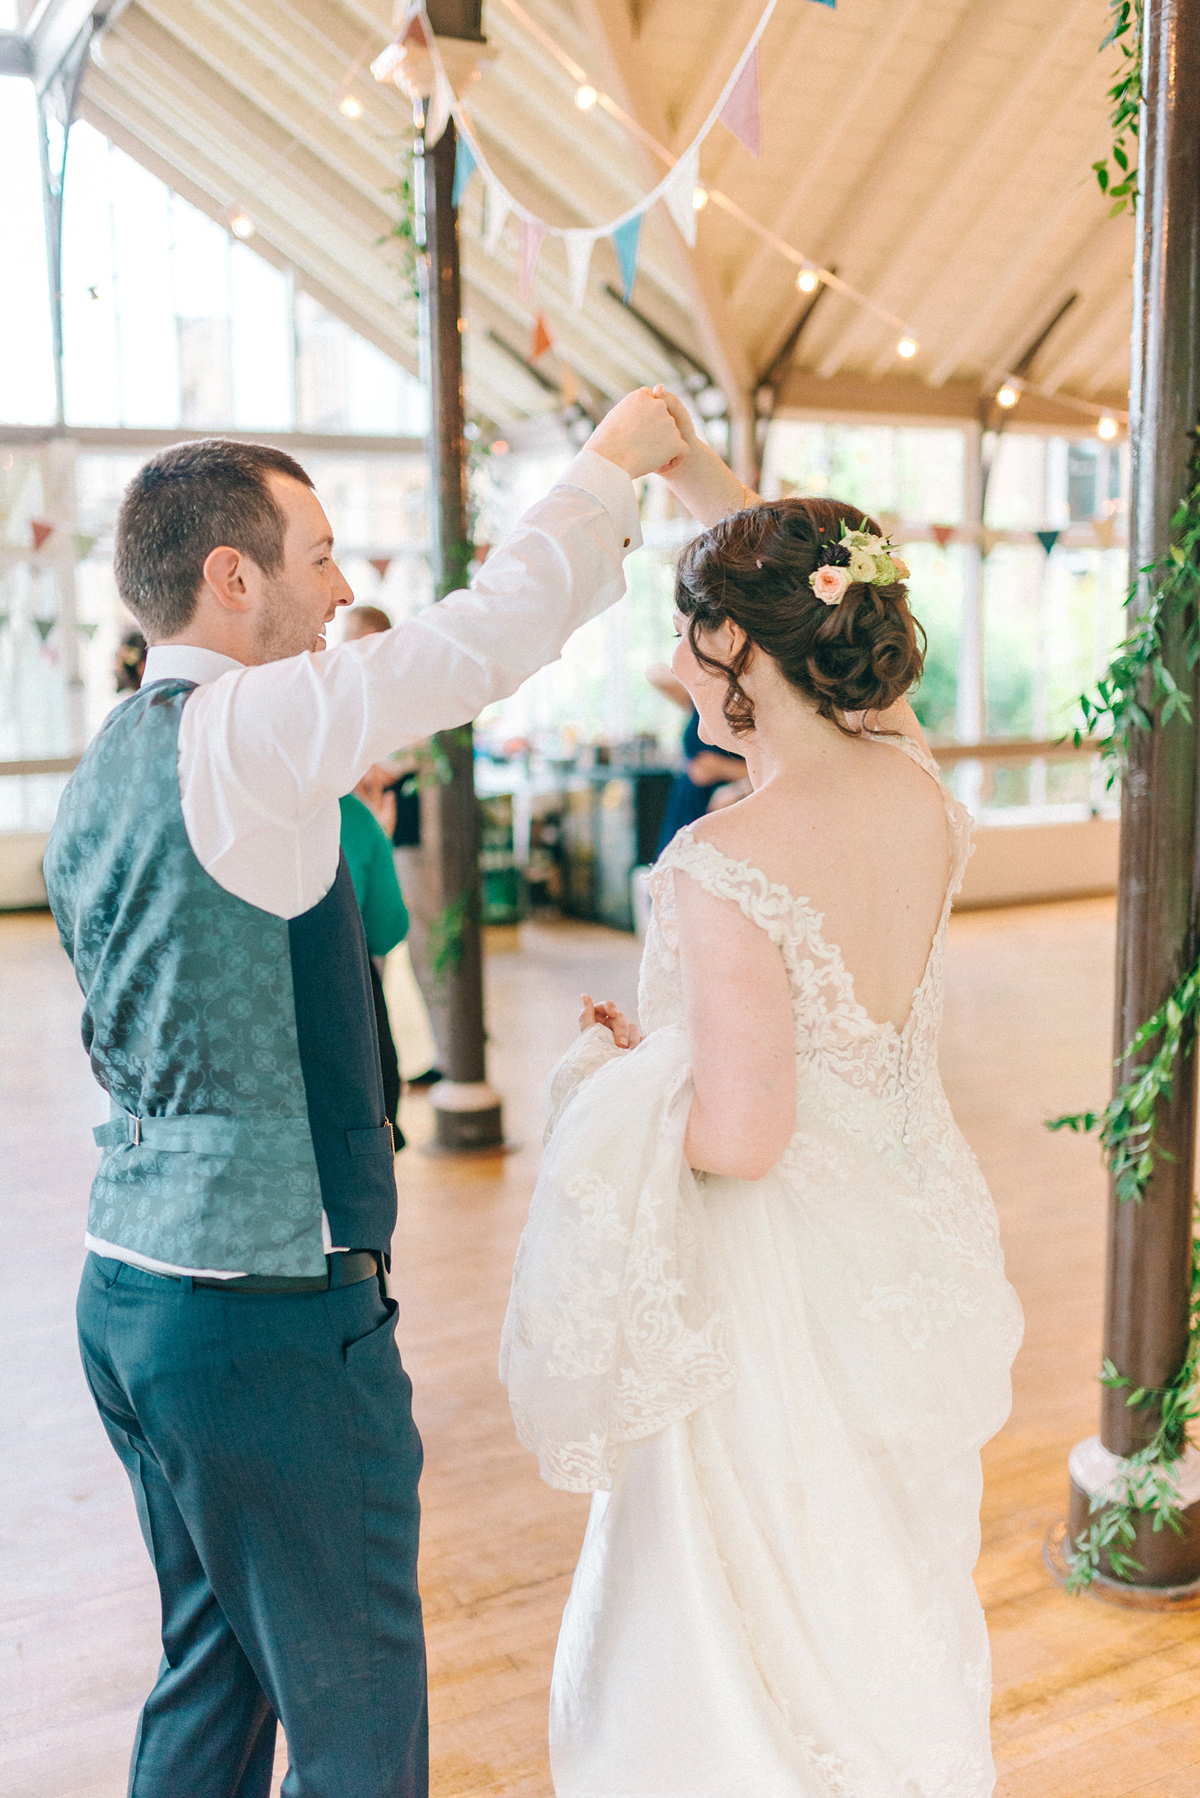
pixel 811 273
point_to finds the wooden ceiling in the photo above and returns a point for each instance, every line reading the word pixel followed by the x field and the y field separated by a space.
pixel 934 153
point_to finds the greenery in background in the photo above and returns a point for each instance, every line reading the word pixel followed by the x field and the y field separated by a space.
pixel 403 233
pixel 1138 693
pixel 1125 31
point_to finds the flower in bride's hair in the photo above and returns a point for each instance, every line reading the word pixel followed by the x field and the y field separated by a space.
pixel 862 565
pixel 903 572
pixel 829 583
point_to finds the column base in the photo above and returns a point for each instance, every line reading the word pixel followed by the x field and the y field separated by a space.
pixel 1114 1591
pixel 1169 1574
pixel 468 1118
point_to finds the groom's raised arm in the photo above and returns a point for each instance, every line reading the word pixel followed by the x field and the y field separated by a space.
pixel 265 752
pixel 299 732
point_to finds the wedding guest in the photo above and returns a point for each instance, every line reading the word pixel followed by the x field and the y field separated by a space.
pixel 129 662
pixel 385 924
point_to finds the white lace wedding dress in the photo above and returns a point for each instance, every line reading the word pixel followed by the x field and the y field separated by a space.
pixel 777 1389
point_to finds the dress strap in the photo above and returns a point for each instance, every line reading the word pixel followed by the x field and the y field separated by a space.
pixel 771 906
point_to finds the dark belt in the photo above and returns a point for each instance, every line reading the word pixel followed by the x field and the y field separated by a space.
pixel 349 1268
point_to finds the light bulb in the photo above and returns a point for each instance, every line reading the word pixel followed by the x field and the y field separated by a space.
pixel 1107 428
pixel 1007 396
pixel 351 107
pixel 586 97
pixel 242 226
pixel 808 280
pixel 699 198
pixel 907 347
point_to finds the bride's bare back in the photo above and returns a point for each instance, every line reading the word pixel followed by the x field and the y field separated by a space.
pixel 860 832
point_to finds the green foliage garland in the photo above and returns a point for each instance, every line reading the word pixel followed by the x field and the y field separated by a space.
pixel 1138 688
pixel 1126 96
pixel 1138 692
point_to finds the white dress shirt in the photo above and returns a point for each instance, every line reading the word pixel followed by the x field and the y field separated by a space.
pixel 265 753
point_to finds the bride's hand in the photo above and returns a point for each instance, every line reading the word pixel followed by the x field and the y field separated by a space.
pixel 625 1034
pixel 684 424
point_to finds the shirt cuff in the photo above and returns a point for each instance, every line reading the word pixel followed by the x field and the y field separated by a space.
pixel 613 488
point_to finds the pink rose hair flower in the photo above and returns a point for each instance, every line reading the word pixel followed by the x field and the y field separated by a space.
pixel 829 583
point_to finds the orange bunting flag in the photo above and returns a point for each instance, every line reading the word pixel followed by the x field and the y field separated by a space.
pixel 742 112
pixel 41 530
pixel 381 564
pixel 541 340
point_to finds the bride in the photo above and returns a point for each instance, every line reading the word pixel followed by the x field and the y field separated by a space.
pixel 759 1309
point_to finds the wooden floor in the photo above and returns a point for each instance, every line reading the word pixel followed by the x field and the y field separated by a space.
pixel 1091 1702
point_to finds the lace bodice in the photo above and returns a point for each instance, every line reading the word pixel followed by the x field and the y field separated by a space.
pixel 834 1034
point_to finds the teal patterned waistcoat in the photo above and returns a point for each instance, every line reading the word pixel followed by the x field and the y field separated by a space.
pixel 238 1049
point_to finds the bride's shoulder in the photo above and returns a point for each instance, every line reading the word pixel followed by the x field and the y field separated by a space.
pixel 745 832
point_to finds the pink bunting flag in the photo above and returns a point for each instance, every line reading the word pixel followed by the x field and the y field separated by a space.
pixel 532 233
pixel 41 530
pixel 942 534
pixel 742 112
pixel 381 564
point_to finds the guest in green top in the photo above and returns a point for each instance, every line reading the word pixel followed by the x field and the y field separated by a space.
pixel 385 920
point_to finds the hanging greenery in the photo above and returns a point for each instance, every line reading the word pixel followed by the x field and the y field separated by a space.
pixel 1139 693
pixel 1126 95
pixel 1138 688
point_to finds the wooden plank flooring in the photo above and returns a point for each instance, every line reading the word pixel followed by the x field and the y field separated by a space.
pixel 1091 1702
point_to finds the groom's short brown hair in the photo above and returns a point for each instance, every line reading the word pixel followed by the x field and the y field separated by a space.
pixel 180 506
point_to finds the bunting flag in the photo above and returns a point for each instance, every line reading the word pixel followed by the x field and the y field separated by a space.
pixel 988 541
pixel 497 207
pixel 1105 530
pixel 742 112
pixel 464 167
pixel 41 530
pixel 88 627
pixel 568 387
pixel 438 110
pixel 1047 539
pixel 580 245
pixel 626 238
pixel 941 534
pixel 541 340
pixel 532 233
pixel 43 626
pixel 679 194
pixel 380 564
pixel 84 545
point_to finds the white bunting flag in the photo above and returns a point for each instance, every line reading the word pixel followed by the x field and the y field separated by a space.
pixel 499 205
pixel 580 245
pixel 437 113
pixel 680 194
pixel 532 233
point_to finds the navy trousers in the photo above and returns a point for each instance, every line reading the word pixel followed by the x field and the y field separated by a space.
pixel 274 1461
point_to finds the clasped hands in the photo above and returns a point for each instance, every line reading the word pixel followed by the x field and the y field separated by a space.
pixel 650 431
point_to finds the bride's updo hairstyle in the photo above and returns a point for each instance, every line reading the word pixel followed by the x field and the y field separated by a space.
pixel 858 655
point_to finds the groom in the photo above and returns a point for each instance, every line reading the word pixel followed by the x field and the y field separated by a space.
pixel 233 1317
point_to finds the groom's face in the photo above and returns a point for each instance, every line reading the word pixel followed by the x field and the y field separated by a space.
pixel 298 601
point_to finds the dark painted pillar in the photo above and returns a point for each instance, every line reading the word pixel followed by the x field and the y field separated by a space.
pixel 467 1110
pixel 1149 1244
